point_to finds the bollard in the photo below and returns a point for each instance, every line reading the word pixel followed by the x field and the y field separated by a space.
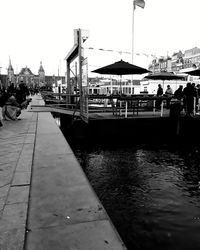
pixel 175 110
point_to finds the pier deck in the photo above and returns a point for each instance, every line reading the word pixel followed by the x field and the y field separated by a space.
pixel 46 201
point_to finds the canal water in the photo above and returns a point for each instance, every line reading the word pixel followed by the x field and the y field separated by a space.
pixel 151 193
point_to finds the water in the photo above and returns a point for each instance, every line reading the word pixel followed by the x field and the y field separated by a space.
pixel 152 194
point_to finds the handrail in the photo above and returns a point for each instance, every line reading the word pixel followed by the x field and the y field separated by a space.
pixel 120 99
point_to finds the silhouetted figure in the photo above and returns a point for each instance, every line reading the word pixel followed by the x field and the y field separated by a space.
pixel 11 88
pixel 21 93
pixel 189 93
pixel 198 97
pixel 11 109
pixel 159 93
pixel 179 93
pixel 168 93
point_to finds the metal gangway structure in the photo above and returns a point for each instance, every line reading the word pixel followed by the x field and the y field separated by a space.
pixel 80 104
pixel 107 106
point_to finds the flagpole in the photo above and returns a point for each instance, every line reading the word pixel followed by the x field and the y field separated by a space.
pixel 132 43
pixel 133 31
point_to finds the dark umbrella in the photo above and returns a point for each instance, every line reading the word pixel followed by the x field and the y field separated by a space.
pixel 164 76
pixel 121 68
pixel 195 72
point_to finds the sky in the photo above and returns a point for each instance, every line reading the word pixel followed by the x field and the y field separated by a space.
pixel 42 30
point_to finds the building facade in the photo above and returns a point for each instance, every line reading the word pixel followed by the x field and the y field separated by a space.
pixel 29 78
pixel 177 62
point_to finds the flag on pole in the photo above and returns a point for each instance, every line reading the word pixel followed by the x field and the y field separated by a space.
pixel 140 3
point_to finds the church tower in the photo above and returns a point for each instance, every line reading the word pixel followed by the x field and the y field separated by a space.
pixel 11 76
pixel 41 75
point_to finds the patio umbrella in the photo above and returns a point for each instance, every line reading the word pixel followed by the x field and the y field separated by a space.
pixel 121 68
pixel 195 72
pixel 163 76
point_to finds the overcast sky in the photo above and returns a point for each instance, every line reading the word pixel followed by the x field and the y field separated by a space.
pixel 42 30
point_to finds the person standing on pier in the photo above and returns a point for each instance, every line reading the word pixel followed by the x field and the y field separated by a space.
pixel 189 93
pixel 179 93
pixel 168 93
pixel 159 93
pixel 198 97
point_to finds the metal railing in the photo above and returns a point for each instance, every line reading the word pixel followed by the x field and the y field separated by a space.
pixel 118 105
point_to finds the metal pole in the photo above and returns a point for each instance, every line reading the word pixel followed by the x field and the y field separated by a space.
pixel 126 109
pixel 80 61
pixel 68 83
pixel 161 110
pixel 133 32
pixel 194 106
pixel 132 43
pixel 76 82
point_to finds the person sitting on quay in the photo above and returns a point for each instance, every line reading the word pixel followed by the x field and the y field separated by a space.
pixel 11 108
pixel 3 99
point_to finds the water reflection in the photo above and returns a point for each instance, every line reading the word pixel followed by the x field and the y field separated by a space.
pixel 152 194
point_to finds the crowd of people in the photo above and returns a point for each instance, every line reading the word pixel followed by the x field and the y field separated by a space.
pixel 185 95
pixel 13 100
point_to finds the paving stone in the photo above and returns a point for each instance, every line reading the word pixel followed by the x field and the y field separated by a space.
pixel 14 216
pixel 7 168
pixel 12 142
pixel 10 148
pixel 58 145
pixel 6 173
pixel 21 178
pixel 18 194
pixel 32 130
pixel 3 193
pixel 30 138
pixel 9 157
pixel 12 239
pixel 96 235
pixel 1 210
pixel 34 117
pixel 5 179
pixel 28 149
pixel 57 180
pixel 24 163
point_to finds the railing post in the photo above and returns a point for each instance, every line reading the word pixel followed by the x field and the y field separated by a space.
pixel 198 104
pixel 194 106
pixel 161 110
pixel 126 110
pixel 120 108
pixel 154 106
